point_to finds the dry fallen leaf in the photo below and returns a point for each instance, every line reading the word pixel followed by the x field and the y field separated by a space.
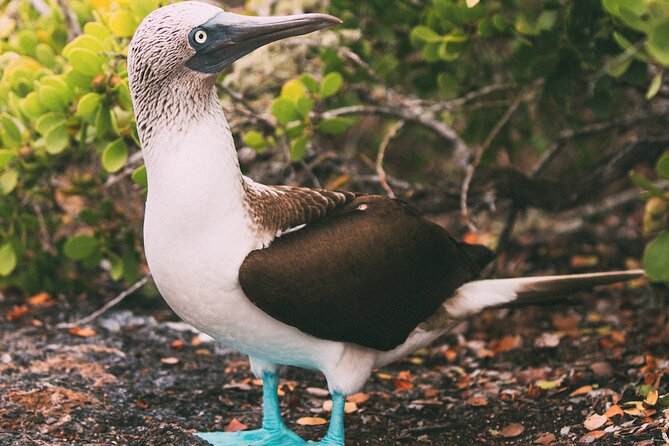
pixel 348 407
pixel 317 391
pixel 595 421
pixel 17 312
pixel 590 437
pixel 401 384
pixel 652 397
pixel 82 332
pixel 171 360
pixel 581 391
pixel 41 300
pixel 614 411
pixel 545 439
pixel 506 344
pixel 235 426
pixel 513 430
pixel 311 421
pixel 477 401
pixel 178 344
pixel 358 398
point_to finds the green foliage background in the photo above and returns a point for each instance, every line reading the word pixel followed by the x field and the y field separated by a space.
pixel 71 180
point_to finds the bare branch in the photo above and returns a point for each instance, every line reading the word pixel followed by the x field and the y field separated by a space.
pixel 392 134
pixel 410 113
pixel 71 21
pixel 469 174
pixel 115 301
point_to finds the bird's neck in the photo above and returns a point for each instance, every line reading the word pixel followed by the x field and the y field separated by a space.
pixel 190 156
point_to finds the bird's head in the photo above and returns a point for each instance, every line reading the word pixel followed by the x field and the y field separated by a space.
pixel 190 42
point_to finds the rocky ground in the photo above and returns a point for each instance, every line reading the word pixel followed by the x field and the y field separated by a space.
pixel 592 373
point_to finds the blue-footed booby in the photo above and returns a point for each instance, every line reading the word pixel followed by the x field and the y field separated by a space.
pixel 327 280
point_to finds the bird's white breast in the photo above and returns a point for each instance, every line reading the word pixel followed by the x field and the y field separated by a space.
pixel 197 233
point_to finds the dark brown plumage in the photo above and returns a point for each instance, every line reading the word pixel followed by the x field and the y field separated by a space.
pixel 368 274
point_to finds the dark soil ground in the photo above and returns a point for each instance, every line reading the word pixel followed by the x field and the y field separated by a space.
pixel 506 377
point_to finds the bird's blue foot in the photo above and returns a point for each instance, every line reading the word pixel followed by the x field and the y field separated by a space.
pixel 273 432
pixel 264 437
pixel 335 435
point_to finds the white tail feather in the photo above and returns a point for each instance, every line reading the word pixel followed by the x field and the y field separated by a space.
pixel 473 297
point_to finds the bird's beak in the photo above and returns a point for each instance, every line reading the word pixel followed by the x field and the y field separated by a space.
pixel 227 36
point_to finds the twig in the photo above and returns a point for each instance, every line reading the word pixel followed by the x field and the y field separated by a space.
pixel 392 134
pixel 469 174
pixel 45 239
pixel 137 285
pixel 409 113
pixel 71 22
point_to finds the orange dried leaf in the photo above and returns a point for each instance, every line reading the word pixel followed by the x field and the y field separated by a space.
pixel 178 344
pixel 545 439
pixel 595 421
pixel 311 421
pixel 41 300
pixel 235 426
pixel 513 430
pixel 17 312
pixel 506 344
pixel 477 401
pixel 401 384
pixel 82 332
pixel 581 391
pixel 358 398
pixel 348 407
pixel 614 411
pixel 405 375
pixel 592 436
pixel 652 398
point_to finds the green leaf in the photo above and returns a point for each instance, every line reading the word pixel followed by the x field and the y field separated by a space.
pixel 142 8
pixel 57 139
pixel 31 106
pixel 102 122
pixel 309 82
pixel 293 89
pixel 85 41
pixel 122 23
pixel 254 140
pixel 86 61
pixel 298 147
pixel 331 84
pixel 424 34
pixel 663 166
pixel 6 157
pixel 47 121
pixel 115 155
pixel 11 135
pixel 80 246
pixel 45 55
pixel 123 94
pixel 51 98
pixel 8 181
pixel 285 110
pixel 654 86
pixel 305 105
pixel 88 104
pixel 139 176
pixel 7 259
pixel 656 258
pixel 116 266
pixel 334 126
pixel 98 30
pixel 645 183
pixel 658 45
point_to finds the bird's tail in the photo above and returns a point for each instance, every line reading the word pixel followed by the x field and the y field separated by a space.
pixel 475 296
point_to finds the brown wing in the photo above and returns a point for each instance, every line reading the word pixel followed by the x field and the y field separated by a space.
pixel 369 273
pixel 276 209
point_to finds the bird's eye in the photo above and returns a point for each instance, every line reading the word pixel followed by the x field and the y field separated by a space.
pixel 200 36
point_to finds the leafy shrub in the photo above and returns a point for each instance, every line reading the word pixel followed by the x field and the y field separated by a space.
pixel 70 219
